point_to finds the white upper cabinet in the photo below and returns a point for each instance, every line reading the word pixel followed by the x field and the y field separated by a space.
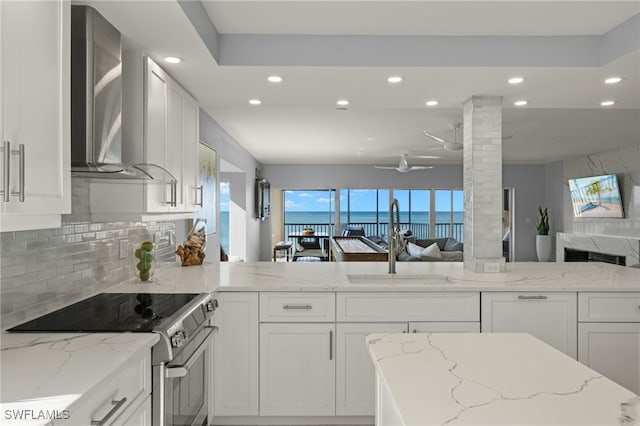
pixel 35 175
pixel 181 147
pixel 160 126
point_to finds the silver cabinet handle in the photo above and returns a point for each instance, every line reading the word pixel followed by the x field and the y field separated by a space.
pixel 297 307
pixel 330 345
pixel 200 189
pixel 20 192
pixel 6 151
pixel 173 187
pixel 540 297
pixel 105 419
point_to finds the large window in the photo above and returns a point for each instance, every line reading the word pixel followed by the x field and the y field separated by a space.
pixel 428 213
pixel 449 217
pixel 309 209
pixel 368 208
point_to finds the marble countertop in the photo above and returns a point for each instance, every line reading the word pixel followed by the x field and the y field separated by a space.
pixel 46 371
pixel 491 379
pixel 373 276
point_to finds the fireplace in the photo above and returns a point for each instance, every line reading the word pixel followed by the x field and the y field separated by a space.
pixel 614 249
pixel 573 255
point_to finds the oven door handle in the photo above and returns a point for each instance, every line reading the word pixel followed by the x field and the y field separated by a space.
pixel 177 371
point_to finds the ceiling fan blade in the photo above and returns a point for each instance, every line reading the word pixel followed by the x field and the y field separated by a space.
pixel 435 138
pixel 386 167
pixel 430 157
pixel 420 168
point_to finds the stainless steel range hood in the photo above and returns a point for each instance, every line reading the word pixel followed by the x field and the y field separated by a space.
pixel 96 101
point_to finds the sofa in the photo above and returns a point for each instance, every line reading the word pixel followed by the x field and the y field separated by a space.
pixel 445 250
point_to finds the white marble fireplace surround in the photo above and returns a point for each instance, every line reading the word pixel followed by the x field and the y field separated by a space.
pixel 607 244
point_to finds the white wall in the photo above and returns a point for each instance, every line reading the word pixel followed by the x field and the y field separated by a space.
pixel 528 180
pixel 624 162
pixel 254 246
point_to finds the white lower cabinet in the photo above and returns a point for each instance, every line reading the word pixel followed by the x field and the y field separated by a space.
pixel 549 316
pixel 444 327
pixel 297 369
pixel 114 401
pixel 613 350
pixel 355 375
pixel 235 372
pixel 609 335
pixel 140 416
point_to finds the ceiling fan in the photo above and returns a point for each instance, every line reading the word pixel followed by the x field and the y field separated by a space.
pixel 403 166
pixel 449 145
pixel 453 145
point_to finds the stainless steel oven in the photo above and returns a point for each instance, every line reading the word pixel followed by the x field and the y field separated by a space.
pixel 181 367
pixel 183 383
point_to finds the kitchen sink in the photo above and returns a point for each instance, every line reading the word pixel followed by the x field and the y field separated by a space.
pixel 396 279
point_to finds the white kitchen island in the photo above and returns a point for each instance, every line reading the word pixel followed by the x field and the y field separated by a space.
pixel 486 379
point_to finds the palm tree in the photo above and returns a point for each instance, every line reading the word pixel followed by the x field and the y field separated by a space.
pixel 595 189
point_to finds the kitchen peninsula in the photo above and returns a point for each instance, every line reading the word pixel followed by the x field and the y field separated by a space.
pixel 480 379
pixel 303 350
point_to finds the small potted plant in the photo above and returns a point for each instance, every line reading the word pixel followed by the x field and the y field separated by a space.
pixel 543 240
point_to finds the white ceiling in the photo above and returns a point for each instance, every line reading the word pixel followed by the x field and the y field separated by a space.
pixel 298 122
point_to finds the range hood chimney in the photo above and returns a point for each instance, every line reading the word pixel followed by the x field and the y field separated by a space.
pixel 96 101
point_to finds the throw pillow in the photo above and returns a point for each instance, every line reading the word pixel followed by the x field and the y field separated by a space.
pixel 414 250
pixel 432 251
pixel 453 245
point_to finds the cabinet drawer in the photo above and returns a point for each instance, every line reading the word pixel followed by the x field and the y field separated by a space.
pixel 132 381
pixel 609 307
pixel 297 307
pixel 409 306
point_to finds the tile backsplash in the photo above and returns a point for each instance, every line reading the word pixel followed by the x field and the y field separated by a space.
pixel 46 269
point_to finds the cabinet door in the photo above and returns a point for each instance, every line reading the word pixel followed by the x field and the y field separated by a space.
pixel 141 416
pixel 297 370
pixel 35 36
pixel 444 327
pixel 355 374
pixel 235 369
pixel 190 165
pixel 551 317
pixel 155 133
pixel 173 144
pixel 612 349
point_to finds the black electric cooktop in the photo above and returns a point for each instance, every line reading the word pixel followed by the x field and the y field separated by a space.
pixel 110 312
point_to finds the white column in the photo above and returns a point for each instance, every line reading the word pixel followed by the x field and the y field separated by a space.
pixel 483 184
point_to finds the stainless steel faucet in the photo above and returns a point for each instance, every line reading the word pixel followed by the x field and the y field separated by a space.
pixel 394 234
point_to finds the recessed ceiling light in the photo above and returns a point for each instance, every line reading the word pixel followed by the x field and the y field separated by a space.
pixel 516 80
pixel 613 80
pixel 520 103
pixel 172 59
pixel 274 79
pixel 394 79
pixel 607 103
pixel 343 102
pixel 255 101
pixel 431 103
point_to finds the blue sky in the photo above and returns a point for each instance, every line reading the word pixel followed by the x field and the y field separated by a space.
pixel 365 200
